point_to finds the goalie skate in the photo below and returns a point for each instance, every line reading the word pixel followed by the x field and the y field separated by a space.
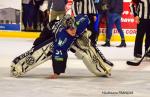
pixel 32 58
pixel 91 56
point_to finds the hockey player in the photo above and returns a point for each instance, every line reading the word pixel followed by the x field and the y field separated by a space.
pixel 65 33
pixel 63 40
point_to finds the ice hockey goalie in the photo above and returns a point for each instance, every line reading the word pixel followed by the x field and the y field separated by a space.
pixel 42 51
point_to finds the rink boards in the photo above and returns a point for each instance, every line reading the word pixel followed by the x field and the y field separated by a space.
pixel 129 35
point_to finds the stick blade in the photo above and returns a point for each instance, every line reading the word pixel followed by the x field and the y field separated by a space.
pixel 133 63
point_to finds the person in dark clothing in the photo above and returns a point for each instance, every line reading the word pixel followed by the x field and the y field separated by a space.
pixel 36 13
pixel 114 17
pixel 141 12
pixel 27 14
pixel 102 7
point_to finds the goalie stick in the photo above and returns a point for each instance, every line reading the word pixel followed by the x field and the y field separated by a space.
pixel 133 63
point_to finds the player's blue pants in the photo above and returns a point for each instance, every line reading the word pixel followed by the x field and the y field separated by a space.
pixel 114 18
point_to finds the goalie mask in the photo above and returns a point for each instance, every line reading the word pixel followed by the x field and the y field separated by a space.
pixel 70 22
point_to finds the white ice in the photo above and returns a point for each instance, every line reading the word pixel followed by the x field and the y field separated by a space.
pixel 77 81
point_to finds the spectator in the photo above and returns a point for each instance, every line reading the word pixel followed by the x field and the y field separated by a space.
pixel 114 17
pixel 27 14
pixel 141 12
pixel 102 6
pixel 57 8
pixel 36 13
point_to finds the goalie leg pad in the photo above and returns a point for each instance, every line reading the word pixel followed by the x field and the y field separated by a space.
pixel 32 58
pixel 92 58
pixel 94 64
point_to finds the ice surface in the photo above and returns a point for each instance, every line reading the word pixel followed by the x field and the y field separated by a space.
pixel 126 81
